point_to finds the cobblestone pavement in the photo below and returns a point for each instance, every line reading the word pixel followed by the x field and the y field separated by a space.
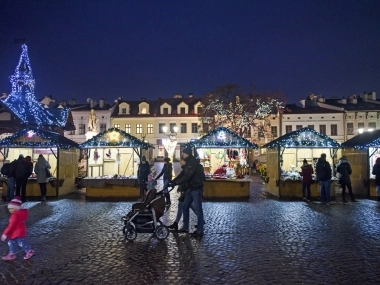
pixel 258 241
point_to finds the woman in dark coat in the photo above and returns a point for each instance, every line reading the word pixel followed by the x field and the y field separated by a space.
pixel 142 176
pixel 344 169
pixel 167 172
pixel 376 172
pixel 306 173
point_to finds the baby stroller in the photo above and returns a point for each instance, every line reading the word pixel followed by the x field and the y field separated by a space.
pixel 145 217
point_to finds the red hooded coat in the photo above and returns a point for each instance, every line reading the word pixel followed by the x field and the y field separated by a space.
pixel 16 227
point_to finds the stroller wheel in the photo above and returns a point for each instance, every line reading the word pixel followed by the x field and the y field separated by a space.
pixel 130 233
pixel 161 232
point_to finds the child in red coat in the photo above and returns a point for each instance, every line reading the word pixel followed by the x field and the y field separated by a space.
pixel 16 230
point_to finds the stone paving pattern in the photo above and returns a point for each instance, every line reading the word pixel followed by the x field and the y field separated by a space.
pixel 258 241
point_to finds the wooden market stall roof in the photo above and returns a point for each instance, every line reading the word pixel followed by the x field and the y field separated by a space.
pixel 222 137
pixel 115 137
pixel 364 140
pixel 35 138
pixel 303 138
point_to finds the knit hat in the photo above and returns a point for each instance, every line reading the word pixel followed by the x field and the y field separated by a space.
pixel 187 150
pixel 15 203
pixel 305 161
pixel 143 158
pixel 166 159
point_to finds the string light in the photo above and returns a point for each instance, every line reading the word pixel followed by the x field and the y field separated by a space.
pixel 114 137
pixel 222 137
pixel 39 139
pixel 364 141
pixel 24 104
pixel 304 137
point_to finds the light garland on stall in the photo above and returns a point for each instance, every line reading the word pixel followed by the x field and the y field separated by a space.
pixel 222 137
pixel 23 102
pixel 114 137
pixel 304 137
pixel 32 138
pixel 364 141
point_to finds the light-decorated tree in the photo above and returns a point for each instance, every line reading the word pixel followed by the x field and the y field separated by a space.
pixel 243 112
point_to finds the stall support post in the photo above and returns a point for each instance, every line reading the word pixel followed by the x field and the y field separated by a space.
pixel 58 177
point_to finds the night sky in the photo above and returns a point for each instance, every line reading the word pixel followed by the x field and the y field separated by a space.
pixel 133 49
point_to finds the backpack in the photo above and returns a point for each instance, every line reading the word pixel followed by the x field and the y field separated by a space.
pixel 5 170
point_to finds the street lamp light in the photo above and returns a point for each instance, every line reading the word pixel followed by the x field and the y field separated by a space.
pixel 170 143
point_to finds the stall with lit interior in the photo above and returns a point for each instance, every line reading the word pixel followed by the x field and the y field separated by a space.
pixel 111 159
pixel 224 156
pixel 362 152
pixel 285 156
pixel 61 153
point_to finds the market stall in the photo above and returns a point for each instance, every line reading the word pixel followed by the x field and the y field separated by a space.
pixel 362 152
pixel 284 160
pixel 223 155
pixel 111 159
pixel 61 153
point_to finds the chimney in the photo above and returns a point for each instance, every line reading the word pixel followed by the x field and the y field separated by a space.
pixel 343 101
pixel 92 103
pixel 372 95
pixel 101 103
pixel 303 103
pixel 191 95
pixel 177 95
pixel 321 99
pixel 72 102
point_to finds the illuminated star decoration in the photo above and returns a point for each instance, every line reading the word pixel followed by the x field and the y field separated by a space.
pixel 31 133
pixel 221 136
pixel 23 102
pixel 114 137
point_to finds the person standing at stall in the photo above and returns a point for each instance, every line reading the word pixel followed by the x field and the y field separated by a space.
pixel 306 173
pixel 323 170
pixel 23 171
pixel 376 172
pixel 167 172
pixel 41 169
pixel 344 169
pixel 142 176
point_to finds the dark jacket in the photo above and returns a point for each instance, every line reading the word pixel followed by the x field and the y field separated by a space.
pixel 306 173
pixel 376 172
pixel 24 168
pixel 191 174
pixel 323 169
pixel 143 172
pixel 167 171
pixel 344 169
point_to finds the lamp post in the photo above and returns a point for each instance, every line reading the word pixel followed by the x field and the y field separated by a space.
pixel 170 143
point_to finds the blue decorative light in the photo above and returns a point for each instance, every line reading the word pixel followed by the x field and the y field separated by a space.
pixel 39 138
pixel 24 104
pixel 304 137
pixel 222 137
pixel 114 137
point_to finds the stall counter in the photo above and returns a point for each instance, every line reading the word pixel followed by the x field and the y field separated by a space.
pixel 32 188
pixel 226 188
pixel 111 188
pixel 290 188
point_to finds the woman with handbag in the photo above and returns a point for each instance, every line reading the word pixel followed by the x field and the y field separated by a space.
pixel 344 169
pixel 43 174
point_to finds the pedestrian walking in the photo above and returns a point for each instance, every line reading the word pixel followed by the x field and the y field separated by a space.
pixel 23 171
pixel 41 169
pixel 142 176
pixel 376 172
pixel 323 171
pixel 344 169
pixel 307 179
pixel 194 179
pixel 167 172
pixel 182 190
pixel 16 230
